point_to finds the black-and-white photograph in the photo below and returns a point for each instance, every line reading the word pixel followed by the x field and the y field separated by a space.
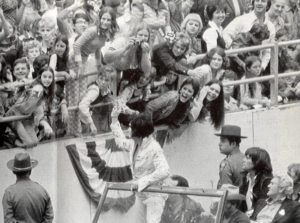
pixel 149 111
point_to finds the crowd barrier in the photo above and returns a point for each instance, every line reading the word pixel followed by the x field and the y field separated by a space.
pixel 273 77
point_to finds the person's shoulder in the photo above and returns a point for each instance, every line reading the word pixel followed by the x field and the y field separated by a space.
pixel 240 217
pixel 91 30
pixel 238 155
pixel 37 90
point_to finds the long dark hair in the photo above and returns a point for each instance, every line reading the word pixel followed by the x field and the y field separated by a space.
pixel 3 73
pixel 110 33
pixel 260 159
pixel 215 107
pixel 193 82
pixel 249 61
pixel 209 55
pixel 65 40
pixel 139 52
pixel 50 91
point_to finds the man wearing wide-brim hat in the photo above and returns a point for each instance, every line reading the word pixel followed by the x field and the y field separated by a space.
pixel 26 201
pixel 232 214
pixel 229 145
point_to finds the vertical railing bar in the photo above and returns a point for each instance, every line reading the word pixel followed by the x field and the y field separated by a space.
pixel 100 204
pixel 274 71
pixel 221 207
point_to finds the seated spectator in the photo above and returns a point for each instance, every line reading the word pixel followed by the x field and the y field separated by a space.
pixel 172 107
pixel 133 52
pixel 172 57
pixel 251 94
pixel 212 35
pixel 232 213
pixel 231 93
pixel 294 173
pixel 213 67
pixel 98 119
pixel 278 207
pixel 257 170
pixel 192 26
pixel 181 208
pixel 209 104
pixel 41 90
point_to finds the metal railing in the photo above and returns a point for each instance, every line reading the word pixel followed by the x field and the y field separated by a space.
pixel 168 190
pixel 273 77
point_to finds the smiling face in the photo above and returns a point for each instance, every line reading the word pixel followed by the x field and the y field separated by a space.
pixel 105 21
pixel 216 62
pixel 178 49
pixel 260 6
pixel 213 92
pixel 277 7
pixel 186 93
pixel 143 35
pixel 80 25
pixel 47 78
pixel 60 48
pixel 255 68
pixel 21 71
pixel 192 27
pixel 219 17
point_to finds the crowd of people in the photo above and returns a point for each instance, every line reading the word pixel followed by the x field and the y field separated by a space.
pixel 160 57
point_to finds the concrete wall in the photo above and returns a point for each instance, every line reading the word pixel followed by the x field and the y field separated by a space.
pixel 195 155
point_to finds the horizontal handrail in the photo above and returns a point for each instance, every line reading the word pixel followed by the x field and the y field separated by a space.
pixel 165 189
pixel 171 190
pixel 261 79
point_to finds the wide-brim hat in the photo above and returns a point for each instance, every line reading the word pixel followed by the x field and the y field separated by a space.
pixel 233 193
pixel 231 131
pixel 22 162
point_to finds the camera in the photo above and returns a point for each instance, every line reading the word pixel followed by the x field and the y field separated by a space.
pixel 137 42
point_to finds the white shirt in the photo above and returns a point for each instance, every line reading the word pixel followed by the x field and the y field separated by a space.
pixel 243 24
pixel 210 35
pixel 267 214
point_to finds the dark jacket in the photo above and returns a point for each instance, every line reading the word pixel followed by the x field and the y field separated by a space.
pixel 289 212
pixel 239 217
pixel 164 60
pixel 260 190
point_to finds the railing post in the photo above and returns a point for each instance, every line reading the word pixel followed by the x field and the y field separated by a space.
pixel 274 71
